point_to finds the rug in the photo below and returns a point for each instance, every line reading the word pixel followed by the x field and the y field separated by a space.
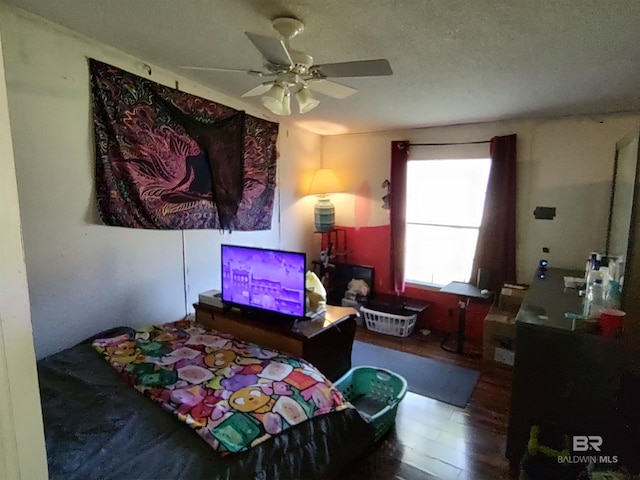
pixel 431 378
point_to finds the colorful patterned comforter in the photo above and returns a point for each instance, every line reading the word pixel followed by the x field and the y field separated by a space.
pixel 235 395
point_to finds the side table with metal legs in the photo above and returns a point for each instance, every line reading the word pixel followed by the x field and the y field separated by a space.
pixel 465 292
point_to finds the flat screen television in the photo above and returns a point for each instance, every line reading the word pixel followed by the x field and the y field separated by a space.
pixel 264 280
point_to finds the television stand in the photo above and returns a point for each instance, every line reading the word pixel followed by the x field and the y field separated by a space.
pixel 326 341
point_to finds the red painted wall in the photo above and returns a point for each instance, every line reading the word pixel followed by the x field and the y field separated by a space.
pixel 371 246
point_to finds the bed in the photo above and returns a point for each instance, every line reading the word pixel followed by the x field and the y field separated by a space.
pixel 97 426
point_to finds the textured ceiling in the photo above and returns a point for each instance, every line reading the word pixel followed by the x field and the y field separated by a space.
pixel 454 61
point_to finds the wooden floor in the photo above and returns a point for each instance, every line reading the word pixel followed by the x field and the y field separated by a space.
pixel 433 440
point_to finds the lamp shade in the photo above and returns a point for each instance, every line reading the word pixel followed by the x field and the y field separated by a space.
pixel 306 102
pixel 324 181
pixel 277 100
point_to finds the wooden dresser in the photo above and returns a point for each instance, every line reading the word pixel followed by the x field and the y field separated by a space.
pixel 326 341
pixel 562 377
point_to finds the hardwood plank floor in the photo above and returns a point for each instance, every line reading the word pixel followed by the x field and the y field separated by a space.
pixel 434 440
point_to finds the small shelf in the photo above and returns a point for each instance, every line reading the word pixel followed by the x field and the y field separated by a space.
pixel 337 237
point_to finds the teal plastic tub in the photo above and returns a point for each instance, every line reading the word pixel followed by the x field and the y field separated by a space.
pixel 375 393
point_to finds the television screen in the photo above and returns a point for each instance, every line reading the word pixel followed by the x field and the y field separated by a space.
pixel 264 279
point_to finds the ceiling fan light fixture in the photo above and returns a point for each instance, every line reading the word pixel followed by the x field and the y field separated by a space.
pixel 305 99
pixel 274 99
pixel 286 105
pixel 295 71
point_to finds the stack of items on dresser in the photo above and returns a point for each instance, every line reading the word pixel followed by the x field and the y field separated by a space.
pixel 499 327
pixel 604 279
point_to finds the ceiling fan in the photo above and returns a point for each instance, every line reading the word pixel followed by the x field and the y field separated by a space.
pixel 294 71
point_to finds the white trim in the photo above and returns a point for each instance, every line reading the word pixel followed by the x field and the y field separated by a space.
pixel 9 465
pixel 21 434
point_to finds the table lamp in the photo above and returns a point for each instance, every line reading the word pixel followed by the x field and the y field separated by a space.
pixel 323 183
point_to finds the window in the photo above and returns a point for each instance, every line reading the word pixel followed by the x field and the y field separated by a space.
pixel 445 200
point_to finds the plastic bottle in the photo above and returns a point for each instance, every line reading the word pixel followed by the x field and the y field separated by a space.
pixel 606 276
pixel 612 299
pixel 595 299
pixel 591 265
pixel 592 276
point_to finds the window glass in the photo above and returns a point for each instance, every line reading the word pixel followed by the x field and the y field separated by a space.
pixel 445 200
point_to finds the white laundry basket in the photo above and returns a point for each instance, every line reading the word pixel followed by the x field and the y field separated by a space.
pixel 389 323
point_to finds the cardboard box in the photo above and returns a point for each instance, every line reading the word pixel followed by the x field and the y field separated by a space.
pixel 511 296
pixel 499 331
pixel 504 355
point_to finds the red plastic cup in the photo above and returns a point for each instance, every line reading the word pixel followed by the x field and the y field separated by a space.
pixel 611 321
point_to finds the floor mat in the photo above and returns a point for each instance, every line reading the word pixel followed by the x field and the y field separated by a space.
pixel 432 378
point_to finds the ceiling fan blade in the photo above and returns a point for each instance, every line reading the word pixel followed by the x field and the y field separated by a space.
pixel 259 90
pixel 362 68
pixel 257 73
pixel 331 89
pixel 272 49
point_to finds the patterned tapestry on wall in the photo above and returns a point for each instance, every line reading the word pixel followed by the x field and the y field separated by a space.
pixel 166 159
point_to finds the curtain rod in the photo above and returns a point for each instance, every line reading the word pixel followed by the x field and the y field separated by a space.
pixel 444 144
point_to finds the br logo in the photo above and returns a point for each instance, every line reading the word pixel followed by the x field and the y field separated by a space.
pixel 582 443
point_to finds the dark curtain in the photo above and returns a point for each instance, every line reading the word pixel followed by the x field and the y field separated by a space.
pixel 166 159
pixel 495 258
pixel 398 214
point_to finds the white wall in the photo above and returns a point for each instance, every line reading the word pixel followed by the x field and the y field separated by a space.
pixel 292 223
pixel 564 163
pixel 22 453
pixel 83 276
